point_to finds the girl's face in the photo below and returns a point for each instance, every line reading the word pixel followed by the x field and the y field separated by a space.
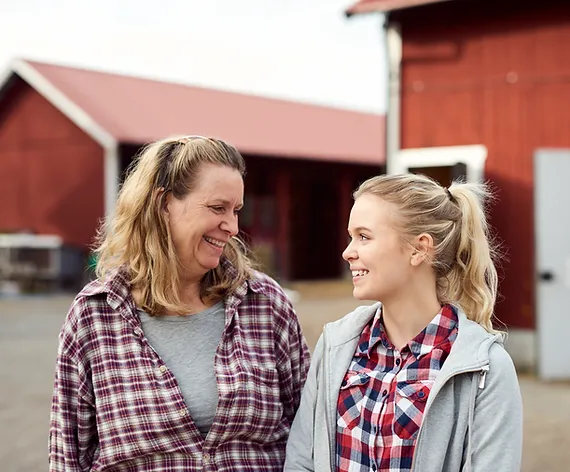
pixel 378 257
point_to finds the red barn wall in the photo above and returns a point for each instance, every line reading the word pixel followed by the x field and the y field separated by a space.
pixel 498 75
pixel 51 172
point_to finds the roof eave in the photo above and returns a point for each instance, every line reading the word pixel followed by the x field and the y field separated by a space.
pixel 376 7
pixel 358 9
pixel 59 100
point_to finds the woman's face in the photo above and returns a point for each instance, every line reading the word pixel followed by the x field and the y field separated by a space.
pixel 203 222
pixel 378 258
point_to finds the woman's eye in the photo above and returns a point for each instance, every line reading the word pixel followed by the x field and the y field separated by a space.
pixel 363 237
pixel 218 209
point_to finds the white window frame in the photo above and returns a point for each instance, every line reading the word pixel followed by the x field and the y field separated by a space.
pixel 473 156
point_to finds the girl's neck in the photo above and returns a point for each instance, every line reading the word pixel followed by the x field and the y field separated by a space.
pixel 406 315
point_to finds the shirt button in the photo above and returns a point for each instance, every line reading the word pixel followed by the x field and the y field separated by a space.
pixel 182 411
pixel 163 369
pixel 384 393
pixel 207 458
pixel 397 361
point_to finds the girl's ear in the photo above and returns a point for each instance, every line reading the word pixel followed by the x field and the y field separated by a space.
pixel 423 248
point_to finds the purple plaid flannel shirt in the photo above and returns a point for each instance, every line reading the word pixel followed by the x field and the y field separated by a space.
pixel 117 407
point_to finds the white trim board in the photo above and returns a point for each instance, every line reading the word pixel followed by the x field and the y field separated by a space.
pixel 80 118
pixel 473 156
pixel 52 94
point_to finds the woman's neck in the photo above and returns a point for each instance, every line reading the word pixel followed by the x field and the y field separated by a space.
pixel 188 293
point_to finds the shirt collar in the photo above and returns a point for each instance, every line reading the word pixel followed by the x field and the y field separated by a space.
pixel 372 334
pixel 117 286
pixel 439 330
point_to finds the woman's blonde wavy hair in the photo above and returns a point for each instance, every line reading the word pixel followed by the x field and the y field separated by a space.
pixel 464 251
pixel 137 239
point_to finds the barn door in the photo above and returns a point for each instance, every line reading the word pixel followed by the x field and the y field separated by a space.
pixel 552 240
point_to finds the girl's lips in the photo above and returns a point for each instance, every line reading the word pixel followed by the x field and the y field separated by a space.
pixel 358 274
pixel 357 278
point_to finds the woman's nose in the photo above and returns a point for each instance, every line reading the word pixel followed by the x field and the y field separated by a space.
pixel 230 225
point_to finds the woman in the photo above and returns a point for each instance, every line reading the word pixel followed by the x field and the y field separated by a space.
pixel 180 357
pixel 419 382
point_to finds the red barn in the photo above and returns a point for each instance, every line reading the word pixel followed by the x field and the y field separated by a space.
pixel 485 84
pixel 67 135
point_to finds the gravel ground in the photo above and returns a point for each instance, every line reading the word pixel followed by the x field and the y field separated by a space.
pixel 28 342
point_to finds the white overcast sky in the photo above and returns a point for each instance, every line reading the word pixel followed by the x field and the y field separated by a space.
pixel 303 50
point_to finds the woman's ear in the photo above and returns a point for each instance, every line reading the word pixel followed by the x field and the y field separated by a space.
pixel 164 198
pixel 423 249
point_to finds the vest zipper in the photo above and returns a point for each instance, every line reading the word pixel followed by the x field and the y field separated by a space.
pixel 483 374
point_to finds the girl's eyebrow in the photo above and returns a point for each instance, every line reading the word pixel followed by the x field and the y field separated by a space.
pixel 359 228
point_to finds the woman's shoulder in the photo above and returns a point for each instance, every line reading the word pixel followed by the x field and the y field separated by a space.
pixel 267 299
pixel 263 284
pixel 90 296
pixel 98 299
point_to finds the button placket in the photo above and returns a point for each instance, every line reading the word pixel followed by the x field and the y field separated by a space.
pixel 375 440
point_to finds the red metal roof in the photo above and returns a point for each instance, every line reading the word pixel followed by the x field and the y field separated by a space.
pixel 368 6
pixel 136 110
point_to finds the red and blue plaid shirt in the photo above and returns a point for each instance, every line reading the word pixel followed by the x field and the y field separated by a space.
pixel 117 407
pixel 384 392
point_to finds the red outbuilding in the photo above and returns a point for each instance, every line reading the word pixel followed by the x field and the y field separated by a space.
pixel 68 134
pixel 482 87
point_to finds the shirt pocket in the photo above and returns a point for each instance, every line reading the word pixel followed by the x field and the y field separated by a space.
pixel 351 398
pixel 257 402
pixel 410 402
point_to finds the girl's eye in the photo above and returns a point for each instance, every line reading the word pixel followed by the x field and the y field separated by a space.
pixel 363 237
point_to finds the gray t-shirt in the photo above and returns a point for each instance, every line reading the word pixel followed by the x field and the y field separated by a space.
pixel 187 345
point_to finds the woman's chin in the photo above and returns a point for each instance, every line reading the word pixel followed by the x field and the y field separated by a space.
pixel 210 262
